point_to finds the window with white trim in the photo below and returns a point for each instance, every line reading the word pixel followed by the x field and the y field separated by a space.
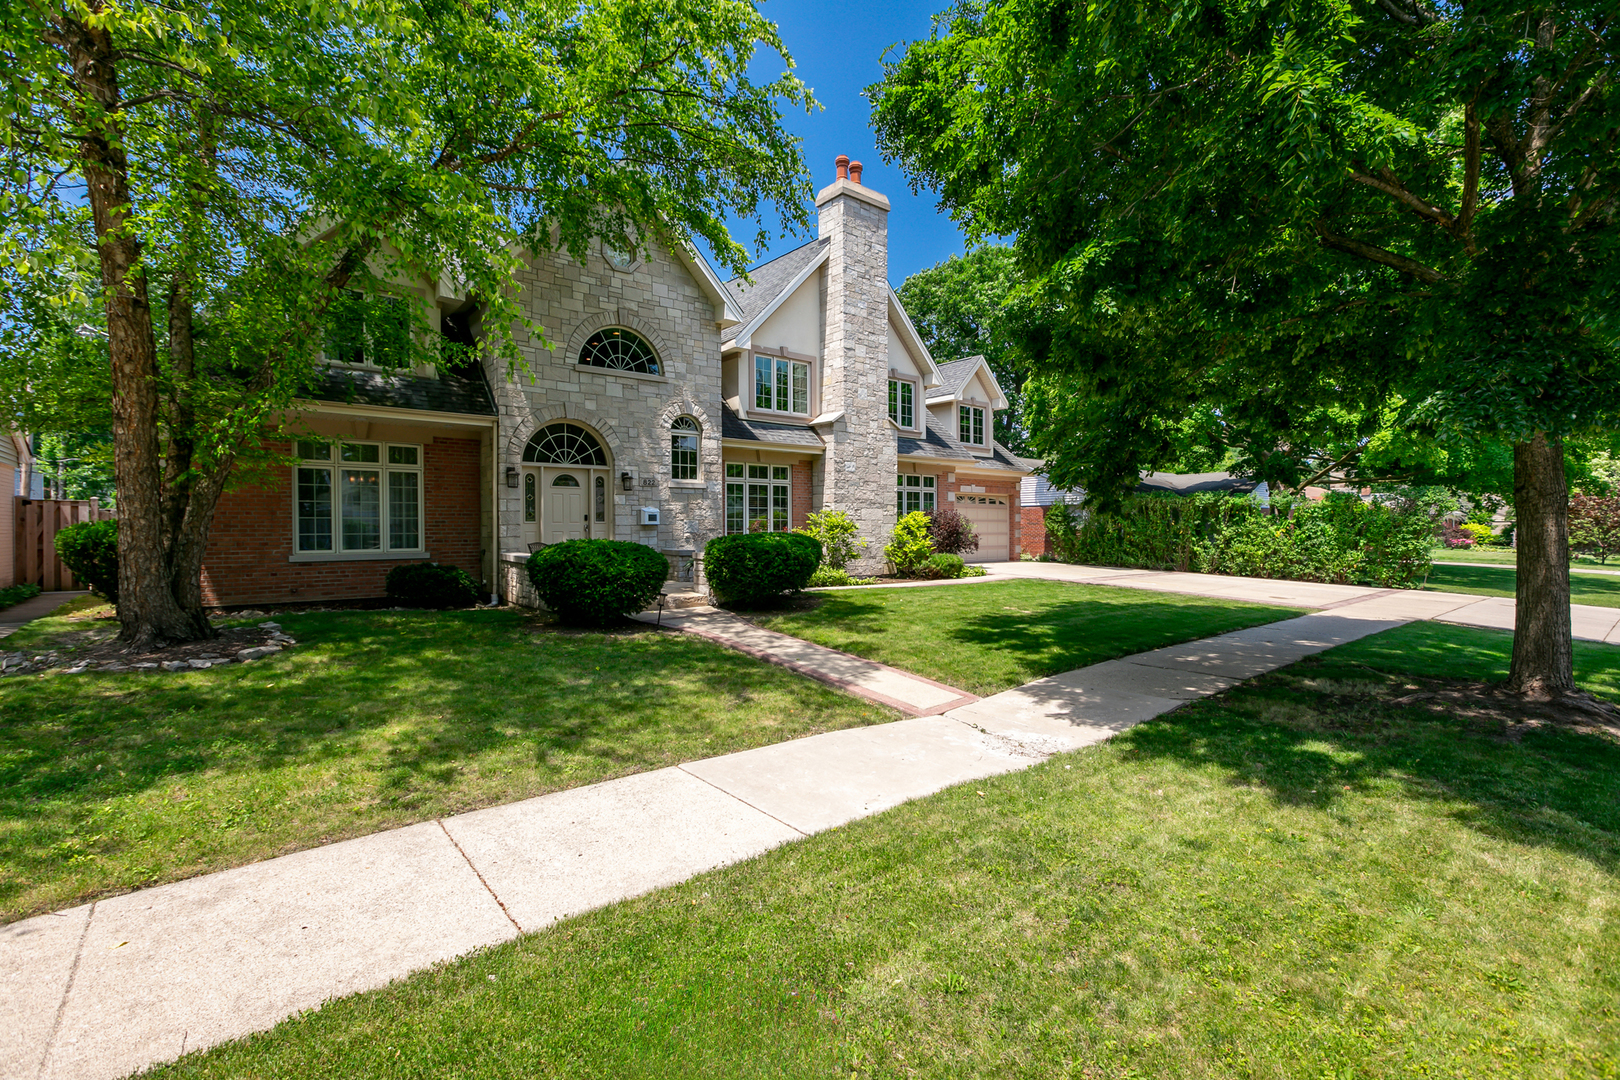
pixel 903 402
pixel 913 492
pixel 782 385
pixel 759 498
pixel 683 448
pixel 357 496
pixel 366 330
pixel 970 424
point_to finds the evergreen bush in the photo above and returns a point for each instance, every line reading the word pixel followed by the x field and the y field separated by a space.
pixel 746 569
pixel 90 550
pixel 943 565
pixel 597 582
pixel 430 585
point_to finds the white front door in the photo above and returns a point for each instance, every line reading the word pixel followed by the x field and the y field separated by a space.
pixel 565 505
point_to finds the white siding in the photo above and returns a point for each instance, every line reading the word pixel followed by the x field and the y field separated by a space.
pixel 796 325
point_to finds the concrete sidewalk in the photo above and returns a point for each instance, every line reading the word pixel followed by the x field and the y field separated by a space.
pixel 16 616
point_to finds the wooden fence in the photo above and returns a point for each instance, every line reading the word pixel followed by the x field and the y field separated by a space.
pixel 38 521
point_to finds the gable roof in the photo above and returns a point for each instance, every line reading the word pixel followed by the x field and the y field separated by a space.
pixel 938 444
pixel 772 283
pixel 392 389
pixel 955 376
pixel 913 340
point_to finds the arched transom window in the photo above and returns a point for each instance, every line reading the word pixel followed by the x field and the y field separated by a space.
pixel 683 448
pixel 564 444
pixel 620 349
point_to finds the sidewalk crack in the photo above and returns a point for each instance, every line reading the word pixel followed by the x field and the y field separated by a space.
pixel 740 799
pixel 478 874
pixel 61 1007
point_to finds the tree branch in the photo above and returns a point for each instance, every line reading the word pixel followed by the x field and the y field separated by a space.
pixel 1425 274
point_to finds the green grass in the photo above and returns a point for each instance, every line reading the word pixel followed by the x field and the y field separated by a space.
pixel 988 638
pixel 1601 590
pixel 377 719
pixel 1498 555
pixel 1294 879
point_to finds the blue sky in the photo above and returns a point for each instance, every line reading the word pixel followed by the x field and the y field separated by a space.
pixel 836 45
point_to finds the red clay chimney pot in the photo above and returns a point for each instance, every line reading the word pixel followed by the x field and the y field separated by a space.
pixel 842 161
pixel 855 171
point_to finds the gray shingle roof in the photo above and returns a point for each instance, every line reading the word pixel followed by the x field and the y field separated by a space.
pixel 938 443
pixel 955 375
pixel 733 426
pixel 1038 491
pixel 450 394
pixel 769 281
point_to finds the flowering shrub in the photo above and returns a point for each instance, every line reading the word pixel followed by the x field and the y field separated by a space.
pixel 1453 535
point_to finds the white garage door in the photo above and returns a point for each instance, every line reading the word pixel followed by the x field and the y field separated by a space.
pixel 989 516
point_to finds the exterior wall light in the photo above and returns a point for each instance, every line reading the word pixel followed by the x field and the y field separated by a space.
pixel 627 481
pixel 511 476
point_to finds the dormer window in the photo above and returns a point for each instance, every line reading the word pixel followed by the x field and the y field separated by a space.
pixel 373 331
pixel 782 385
pixel 903 402
pixel 970 424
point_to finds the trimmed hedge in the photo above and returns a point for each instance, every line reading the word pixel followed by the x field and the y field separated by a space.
pixel 430 585
pixel 90 550
pixel 752 568
pixel 597 582
pixel 1339 540
pixel 943 565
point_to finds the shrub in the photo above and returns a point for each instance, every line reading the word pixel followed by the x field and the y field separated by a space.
pixel 1594 525
pixel 943 565
pixel 16 594
pixel 752 568
pixel 828 576
pixel 597 582
pixel 911 548
pixel 1482 534
pixel 838 535
pixel 951 532
pixel 90 550
pixel 1062 532
pixel 429 585
pixel 1452 535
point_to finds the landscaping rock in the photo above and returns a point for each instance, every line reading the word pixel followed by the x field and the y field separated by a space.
pixel 176 665
pixel 269 626
pixel 79 670
pixel 144 667
pixel 258 653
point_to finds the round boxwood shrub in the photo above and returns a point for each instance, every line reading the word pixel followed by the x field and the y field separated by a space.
pixel 90 550
pixel 429 585
pixel 597 582
pixel 943 565
pixel 751 568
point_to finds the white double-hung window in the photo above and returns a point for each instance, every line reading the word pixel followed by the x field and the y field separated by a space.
pixel 358 497
pixel 782 385
pixel 902 402
pixel 913 492
pixel 970 424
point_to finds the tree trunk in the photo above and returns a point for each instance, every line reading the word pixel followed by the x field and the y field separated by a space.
pixel 148 613
pixel 1543 651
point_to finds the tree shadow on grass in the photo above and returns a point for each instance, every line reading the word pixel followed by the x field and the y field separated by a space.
pixel 1310 740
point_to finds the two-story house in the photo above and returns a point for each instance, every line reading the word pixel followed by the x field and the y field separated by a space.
pixel 672 407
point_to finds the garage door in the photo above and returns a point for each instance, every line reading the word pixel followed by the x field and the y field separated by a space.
pixel 989 516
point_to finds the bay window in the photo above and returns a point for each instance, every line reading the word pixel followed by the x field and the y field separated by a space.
pixel 913 492
pixel 758 498
pixel 358 497
pixel 782 385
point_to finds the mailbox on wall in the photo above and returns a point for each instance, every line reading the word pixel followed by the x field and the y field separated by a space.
pixel 649 515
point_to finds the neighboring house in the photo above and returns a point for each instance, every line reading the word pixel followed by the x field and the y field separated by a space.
pixel 672 408
pixel 1038 496
pixel 14 459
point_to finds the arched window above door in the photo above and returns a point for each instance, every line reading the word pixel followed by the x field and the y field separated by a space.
pixel 564 444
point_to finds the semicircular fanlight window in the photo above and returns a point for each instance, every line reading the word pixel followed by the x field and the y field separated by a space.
pixel 620 349
pixel 564 444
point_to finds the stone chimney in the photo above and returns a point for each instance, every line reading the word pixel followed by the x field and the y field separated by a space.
pixel 856 474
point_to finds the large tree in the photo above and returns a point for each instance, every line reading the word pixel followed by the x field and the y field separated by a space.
pixel 1333 232
pixel 960 308
pixel 239 169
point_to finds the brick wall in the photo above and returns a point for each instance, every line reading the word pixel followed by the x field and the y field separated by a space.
pixel 252 537
pixel 801 485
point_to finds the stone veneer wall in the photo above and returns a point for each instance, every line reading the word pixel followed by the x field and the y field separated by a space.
pixel 658 299
pixel 857 472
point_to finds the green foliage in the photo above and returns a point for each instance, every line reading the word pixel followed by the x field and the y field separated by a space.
pixel 746 569
pixel 76 465
pixel 1062 525
pixel 1255 231
pixel 943 565
pixel 16 594
pixel 1482 534
pixel 838 535
pixel 827 577
pixel 957 307
pixel 597 582
pixel 951 531
pixel 431 585
pixel 911 548
pixel 1340 539
pixel 90 550
pixel 1594 526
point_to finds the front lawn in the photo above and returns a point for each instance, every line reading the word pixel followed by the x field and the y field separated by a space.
pixel 1601 590
pixel 375 720
pixel 989 638
pixel 1298 878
